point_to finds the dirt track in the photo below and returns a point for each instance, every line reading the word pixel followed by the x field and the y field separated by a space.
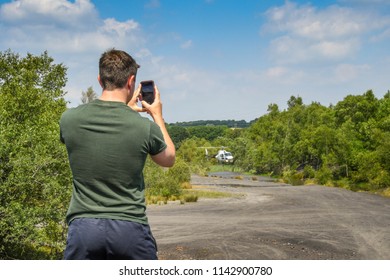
pixel 273 221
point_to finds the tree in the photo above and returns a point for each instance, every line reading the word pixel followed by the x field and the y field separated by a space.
pixel 178 134
pixel 208 132
pixel 294 101
pixel 35 178
pixel 88 96
pixel 357 108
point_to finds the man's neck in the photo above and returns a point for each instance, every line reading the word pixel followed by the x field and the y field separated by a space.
pixel 118 95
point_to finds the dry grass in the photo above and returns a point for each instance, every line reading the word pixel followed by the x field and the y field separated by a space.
pixel 309 182
pixel 386 192
pixel 205 192
pixel 191 193
pixel 189 197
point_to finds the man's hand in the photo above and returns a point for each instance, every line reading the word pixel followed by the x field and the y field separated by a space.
pixel 154 109
pixel 134 100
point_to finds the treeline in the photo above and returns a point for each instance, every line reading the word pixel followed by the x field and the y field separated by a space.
pixel 228 123
pixel 207 130
pixel 209 133
pixel 345 145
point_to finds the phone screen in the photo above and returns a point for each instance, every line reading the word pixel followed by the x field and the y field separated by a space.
pixel 147 91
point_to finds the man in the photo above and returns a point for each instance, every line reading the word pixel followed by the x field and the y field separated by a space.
pixel 107 142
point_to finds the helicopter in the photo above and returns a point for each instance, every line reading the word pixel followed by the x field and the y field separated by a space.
pixel 222 155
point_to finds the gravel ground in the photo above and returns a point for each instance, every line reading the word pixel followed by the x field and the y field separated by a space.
pixel 268 220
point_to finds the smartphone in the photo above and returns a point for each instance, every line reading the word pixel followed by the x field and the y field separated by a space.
pixel 147 91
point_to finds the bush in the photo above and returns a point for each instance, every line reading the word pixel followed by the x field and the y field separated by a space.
pixel 180 171
pixel 35 179
pixel 310 181
pixel 386 192
pixel 165 183
pixel 293 177
pixel 343 183
pixel 190 198
pixel 324 175
pixel 309 172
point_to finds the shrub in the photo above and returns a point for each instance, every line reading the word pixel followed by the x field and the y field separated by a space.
pixel 165 182
pixel 324 175
pixel 293 177
pixel 190 198
pixel 310 182
pixel 35 179
pixel 386 192
pixel 308 171
pixel 343 183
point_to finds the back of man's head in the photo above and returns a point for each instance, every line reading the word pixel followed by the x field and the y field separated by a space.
pixel 115 68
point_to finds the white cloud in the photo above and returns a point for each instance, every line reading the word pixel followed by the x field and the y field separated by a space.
pixel 382 36
pixel 143 53
pixel 308 22
pixel 58 12
pixel 120 28
pixel 61 26
pixel 71 31
pixel 335 49
pixel 276 72
pixel 307 34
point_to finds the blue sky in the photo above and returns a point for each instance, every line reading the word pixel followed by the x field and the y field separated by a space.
pixel 214 59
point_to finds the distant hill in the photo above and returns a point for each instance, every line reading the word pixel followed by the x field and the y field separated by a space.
pixel 228 123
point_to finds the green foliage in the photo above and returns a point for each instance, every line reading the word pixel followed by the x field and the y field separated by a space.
pixel 193 152
pixel 293 177
pixel 349 141
pixel 228 123
pixel 190 197
pixel 165 183
pixel 34 173
pixel 208 133
pixel 88 95
pixel 178 135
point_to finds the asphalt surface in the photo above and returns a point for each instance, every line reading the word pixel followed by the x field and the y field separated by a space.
pixel 273 221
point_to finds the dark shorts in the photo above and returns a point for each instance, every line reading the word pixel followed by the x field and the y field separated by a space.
pixel 105 239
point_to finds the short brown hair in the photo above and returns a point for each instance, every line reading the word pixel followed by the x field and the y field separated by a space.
pixel 115 68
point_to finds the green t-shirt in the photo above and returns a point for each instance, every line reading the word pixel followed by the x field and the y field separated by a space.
pixel 107 144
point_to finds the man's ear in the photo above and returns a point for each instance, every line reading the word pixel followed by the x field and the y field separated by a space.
pixel 131 81
pixel 100 82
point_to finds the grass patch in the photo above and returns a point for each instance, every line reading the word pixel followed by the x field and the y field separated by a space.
pixel 153 199
pixel 385 192
pixel 190 194
pixel 201 192
pixel 310 181
pixel 224 167
pixel 189 197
